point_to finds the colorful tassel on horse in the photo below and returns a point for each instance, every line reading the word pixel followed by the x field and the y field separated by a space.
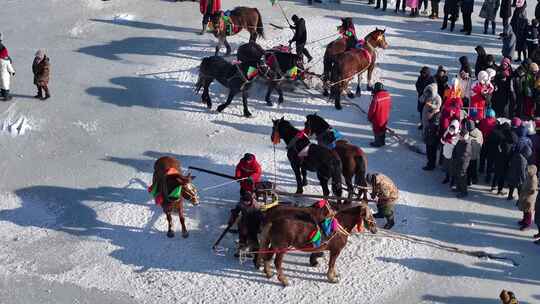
pixel 251 72
pixel 327 226
pixel 292 73
pixel 315 238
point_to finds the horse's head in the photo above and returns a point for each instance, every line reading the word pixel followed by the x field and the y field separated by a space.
pixel 276 130
pixel 366 219
pixel 189 191
pixel 216 20
pixel 346 23
pixel 316 124
pixel 377 38
pixel 323 209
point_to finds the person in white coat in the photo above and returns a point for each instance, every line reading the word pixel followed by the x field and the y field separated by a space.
pixel 6 71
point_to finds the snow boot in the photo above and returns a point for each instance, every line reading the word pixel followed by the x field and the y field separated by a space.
pixel 389 223
pixel 527 221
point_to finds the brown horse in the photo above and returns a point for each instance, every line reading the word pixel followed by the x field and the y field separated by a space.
pixel 232 22
pixel 337 47
pixel 354 63
pixel 173 187
pixel 293 232
pixel 353 159
pixel 259 222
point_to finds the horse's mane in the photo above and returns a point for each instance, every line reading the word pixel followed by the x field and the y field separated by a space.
pixel 318 119
pixel 181 179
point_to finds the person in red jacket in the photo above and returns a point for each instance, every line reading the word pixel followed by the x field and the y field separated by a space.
pixel 208 8
pixel 379 113
pixel 248 168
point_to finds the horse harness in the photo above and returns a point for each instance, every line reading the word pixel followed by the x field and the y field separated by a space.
pixel 302 151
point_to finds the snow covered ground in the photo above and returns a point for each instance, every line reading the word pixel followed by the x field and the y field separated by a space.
pixel 76 223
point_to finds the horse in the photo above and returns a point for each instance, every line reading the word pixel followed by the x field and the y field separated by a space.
pixel 353 158
pixel 297 233
pixel 279 63
pixel 304 156
pixel 234 77
pixel 355 62
pixel 258 222
pixel 173 187
pixel 336 47
pixel 235 21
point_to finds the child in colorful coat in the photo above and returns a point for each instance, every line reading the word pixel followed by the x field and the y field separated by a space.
pixel 387 194
pixel 482 91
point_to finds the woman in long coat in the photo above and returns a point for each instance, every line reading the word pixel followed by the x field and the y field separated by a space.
pixel 520 26
pixel 41 69
pixel 489 13
pixel 505 13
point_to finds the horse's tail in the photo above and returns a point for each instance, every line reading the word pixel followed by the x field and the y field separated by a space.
pixel 199 84
pixel 335 77
pixel 327 63
pixel 361 170
pixel 260 28
pixel 200 81
pixel 164 189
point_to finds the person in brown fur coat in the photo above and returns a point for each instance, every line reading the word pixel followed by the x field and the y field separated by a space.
pixel 41 69
pixel 386 192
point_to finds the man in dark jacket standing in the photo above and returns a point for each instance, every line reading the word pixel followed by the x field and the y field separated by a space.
pixel 461 158
pixel 432 139
pixel 505 13
pixel 467 7
pixel 300 37
pixel 451 11
pixel 422 82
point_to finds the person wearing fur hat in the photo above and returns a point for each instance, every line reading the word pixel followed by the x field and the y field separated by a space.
pixel 6 72
pixel 482 92
pixel 477 140
pixel 449 141
pixel 386 193
pixel 461 158
pixel 527 197
pixel 431 134
pixel 379 114
pixel 41 69
pixel 424 79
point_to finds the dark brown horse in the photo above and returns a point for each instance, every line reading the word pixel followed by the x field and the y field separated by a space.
pixel 290 232
pixel 354 63
pixel 232 22
pixel 259 222
pixel 337 47
pixel 173 187
pixel 353 158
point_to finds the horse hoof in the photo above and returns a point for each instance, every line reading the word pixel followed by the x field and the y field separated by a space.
pixel 247 114
pixel 299 191
pixel 284 281
pixel 314 264
pixel 170 234
pixel 209 105
pixel 350 95
pixel 305 183
pixel 325 93
pixel 338 107
pixel 280 101
pixel 185 234
pixel 269 103
pixel 220 109
pixel 333 280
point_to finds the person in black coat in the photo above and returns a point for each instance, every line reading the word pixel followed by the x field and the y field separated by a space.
pixel 504 139
pixel 505 13
pixel 517 171
pixel 481 60
pixel 515 108
pixel 384 4
pixel 441 77
pixel 465 65
pixel 300 37
pixel 467 7
pixel 532 37
pixel 451 12
pixel 520 26
pixel 537 11
pixel 503 95
pixel 461 158
pixel 422 82
pixel 432 139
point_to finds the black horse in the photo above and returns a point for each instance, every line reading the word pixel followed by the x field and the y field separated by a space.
pixel 232 76
pixel 305 156
pixel 279 63
pixel 353 159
